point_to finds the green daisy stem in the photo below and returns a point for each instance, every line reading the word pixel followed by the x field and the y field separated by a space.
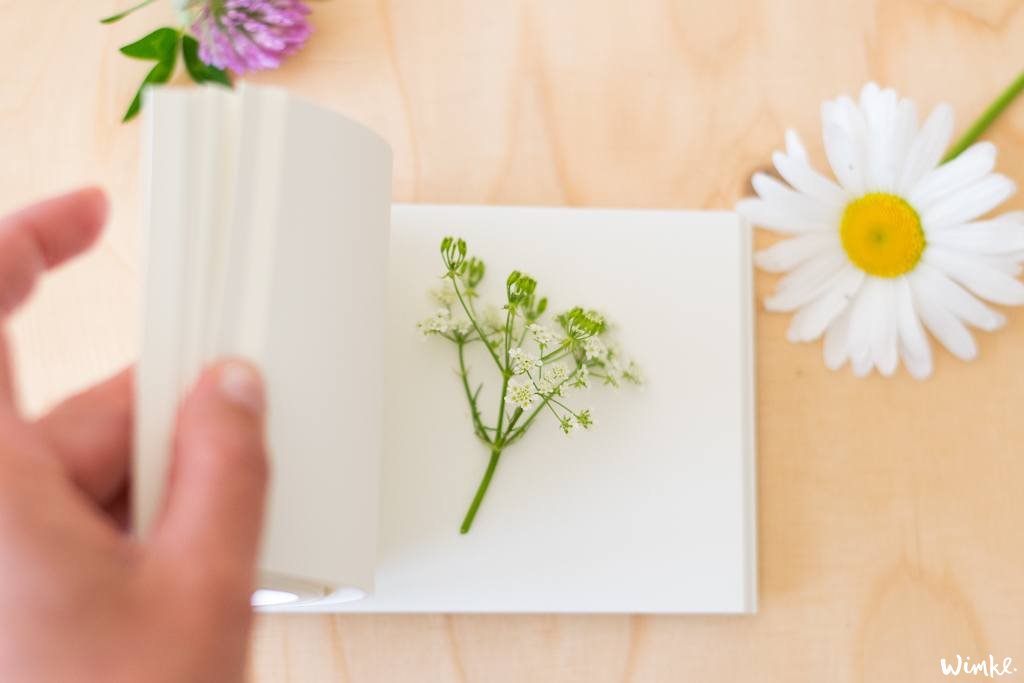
pixel 987 118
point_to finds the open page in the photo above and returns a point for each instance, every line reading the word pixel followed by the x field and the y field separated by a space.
pixel 649 510
pixel 267 237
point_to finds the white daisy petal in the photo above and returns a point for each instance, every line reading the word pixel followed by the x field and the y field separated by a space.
pixel 996 236
pixel 884 349
pixel 864 322
pixel 928 147
pixel 789 202
pixel 904 132
pixel 842 147
pixel 959 301
pixel 968 203
pixel 880 113
pixel 836 341
pixel 759 212
pixel 1002 262
pixel 870 93
pixel 798 173
pixel 806 282
pixel 946 327
pixel 972 165
pixel 861 366
pixel 914 347
pixel 790 253
pixel 812 320
pixel 977 275
pixel 794 148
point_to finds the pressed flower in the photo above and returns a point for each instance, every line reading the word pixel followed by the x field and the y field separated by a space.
pixel 250 35
pixel 521 394
pixel 558 374
pixel 542 335
pixel 896 244
pixel 569 424
pixel 581 379
pixel 533 382
pixel 544 386
pixel 523 363
pixel 438 322
pixel 594 348
pixel 443 295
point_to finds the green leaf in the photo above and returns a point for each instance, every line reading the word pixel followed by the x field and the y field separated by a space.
pixel 161 73
pixel 159 45
pixel 162 46
pixel 121 15
pixel 200 71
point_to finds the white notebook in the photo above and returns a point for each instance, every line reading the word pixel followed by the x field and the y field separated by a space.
pixel 270 235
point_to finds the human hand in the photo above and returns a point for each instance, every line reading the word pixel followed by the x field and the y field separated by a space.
pixel 79 599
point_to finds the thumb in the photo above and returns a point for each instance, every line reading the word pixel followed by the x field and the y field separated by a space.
pixel 213 513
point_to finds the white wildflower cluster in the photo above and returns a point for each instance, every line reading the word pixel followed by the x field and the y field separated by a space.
pixel 523 363
pixel 493 319
pixel 573 422
pixel 542 335
pixel 580 378
pixel 595 349
pixel 558 373
pixel 521 394
pixel 438 322
pixel 444 295
pixel 569 424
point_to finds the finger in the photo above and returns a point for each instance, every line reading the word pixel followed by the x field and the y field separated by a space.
pixel 91 435
pixel 213 513
pixel 45 235
pixel 8 399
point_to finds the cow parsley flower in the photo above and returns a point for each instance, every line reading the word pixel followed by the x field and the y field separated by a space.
pixel 523 363
pixel 438 322
pixel 595 349
pixel 896 245
pixel 542 335
pixel 444 295
pixel 533 365
pixel 557 373
pixel 581 379
pixel 569 424
pixel 521 394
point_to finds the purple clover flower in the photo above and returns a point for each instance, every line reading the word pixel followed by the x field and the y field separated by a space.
pixel 250 35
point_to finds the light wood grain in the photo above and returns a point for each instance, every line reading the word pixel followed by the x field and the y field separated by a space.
pixel 889 509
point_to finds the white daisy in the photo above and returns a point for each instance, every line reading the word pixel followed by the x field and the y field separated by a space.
pixel 895 243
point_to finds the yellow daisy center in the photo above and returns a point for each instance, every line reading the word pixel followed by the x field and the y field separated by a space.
pixel 882 234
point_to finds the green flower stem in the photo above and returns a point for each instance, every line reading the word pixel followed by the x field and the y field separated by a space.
pixel 987 118
pixel 505 374
pixel 472 320
pixel 501 406
pixel 121 15
pixel 557 354
pixel 478 426
pixel 481 491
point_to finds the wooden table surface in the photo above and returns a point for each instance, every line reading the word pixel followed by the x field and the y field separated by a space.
pixel 890 510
